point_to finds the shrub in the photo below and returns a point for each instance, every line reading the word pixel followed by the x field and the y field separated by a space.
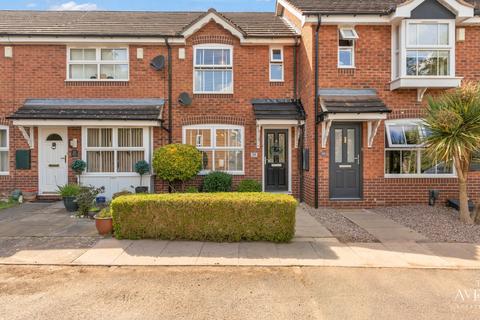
pixel 142 167
pixel 86 198
pixel 217 182
pixel 177 163
pixel 69 190
pixel 192 190
pixel 249 186
pixel 105 213
pixel 205 217
pixel 121 193
pixel 78 166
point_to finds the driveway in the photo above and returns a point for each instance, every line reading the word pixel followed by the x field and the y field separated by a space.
pixel 235 293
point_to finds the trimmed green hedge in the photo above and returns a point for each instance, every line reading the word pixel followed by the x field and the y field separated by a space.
pixel 205 217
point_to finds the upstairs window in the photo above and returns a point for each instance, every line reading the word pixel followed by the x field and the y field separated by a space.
pixel 98 64
pixel 276 65
pixel 405 155
pixel 429 49
pixel 4 149
pixel 213 69
pixel 346 47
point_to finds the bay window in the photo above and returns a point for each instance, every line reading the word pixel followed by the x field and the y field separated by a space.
pixel 114 150
pixel 213 69
pixel 222 147
pixel 405 154
pixel 97 64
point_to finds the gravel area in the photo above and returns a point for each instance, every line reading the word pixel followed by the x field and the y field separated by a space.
pixel 342 228
pixel 438 224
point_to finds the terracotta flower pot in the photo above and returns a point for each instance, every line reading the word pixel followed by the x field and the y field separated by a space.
pixel 104 225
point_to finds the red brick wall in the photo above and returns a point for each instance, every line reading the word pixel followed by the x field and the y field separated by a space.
pixel 39 71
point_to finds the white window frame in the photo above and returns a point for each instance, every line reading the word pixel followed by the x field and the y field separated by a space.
pixel 277 62
pixel 225 67
pixel 404 47
pixel 417 148
pixel 351 48
pixel 6 149
pixel 115 149
pixel 345 37
pixel 213 138
pixel 98 61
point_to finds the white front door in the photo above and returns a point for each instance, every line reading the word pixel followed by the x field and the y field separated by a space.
pixel 52 164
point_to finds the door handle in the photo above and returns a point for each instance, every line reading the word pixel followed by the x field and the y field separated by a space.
pixel 64 158
pixel 357 158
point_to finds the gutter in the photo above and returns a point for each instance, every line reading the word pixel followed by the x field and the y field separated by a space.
pixel 316 148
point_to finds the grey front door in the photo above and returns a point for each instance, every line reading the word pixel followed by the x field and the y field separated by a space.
pixel 345 161
pixel 276 160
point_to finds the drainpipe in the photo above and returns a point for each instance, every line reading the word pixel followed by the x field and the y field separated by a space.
pixel 316 149
pixel 170 95
pixel 301 127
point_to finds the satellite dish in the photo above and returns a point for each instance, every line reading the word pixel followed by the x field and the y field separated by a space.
pixel 184 99
pixel 158 63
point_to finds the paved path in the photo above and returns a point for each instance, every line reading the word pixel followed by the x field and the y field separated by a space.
pixel 50 236
pixel 384 229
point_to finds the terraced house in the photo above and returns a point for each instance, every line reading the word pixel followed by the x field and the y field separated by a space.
pixel 322 99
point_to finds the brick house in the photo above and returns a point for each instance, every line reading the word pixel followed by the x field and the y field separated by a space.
pixel 319 99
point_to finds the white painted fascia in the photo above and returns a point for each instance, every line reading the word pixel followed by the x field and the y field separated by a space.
pixel 349 19
pixel 88 40
pixel 461 9
pixel 355 116
pixel 298 14
pixel 77 123
pixel 426 82
pixel 218 19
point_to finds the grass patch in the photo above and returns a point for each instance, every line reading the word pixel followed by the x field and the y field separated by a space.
pixel 7 204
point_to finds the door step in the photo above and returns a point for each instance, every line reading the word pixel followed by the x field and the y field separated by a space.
pixel 48 198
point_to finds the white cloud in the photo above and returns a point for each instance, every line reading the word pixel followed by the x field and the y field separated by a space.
pixel 72 5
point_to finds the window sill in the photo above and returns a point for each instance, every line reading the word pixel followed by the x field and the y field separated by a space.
pixel 420 176
pixel 114 175
pixel 96 83
pixel 233 173
pixel 346 67
pixel 413 82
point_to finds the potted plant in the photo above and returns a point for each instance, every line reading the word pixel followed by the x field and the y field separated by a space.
pixel 86 198
pixel 93 211
pixel 142 167
pixel 79 166
pixel 69 193
pixel 104 222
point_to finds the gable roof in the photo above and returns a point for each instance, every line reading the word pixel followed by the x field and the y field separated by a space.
pixel 381 7
pixel 132 24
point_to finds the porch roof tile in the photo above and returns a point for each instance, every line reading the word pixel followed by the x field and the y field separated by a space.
pixel 91 109
pixel 351 101
pixel 278 109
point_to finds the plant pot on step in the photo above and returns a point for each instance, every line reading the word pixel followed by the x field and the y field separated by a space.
pixel 141 190
pixel 70 204
pixel 104 225
pixel 93 212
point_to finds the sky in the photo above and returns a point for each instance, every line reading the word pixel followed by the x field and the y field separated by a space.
pixel 159 5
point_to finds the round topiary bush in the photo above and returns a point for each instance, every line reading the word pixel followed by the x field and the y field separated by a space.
pixel 217 182
pixel 177 163
pixel 249 186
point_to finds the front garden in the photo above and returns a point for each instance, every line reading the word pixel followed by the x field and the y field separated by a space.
pixel 213 211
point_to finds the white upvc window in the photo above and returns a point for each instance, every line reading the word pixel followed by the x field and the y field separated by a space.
pixel 222 147
pixel 114 150
pixel 4 150
pixel 213 69
pixel 276 65
pixel 427 48
pixel 98 64
pixel 405 154
pixel 346 47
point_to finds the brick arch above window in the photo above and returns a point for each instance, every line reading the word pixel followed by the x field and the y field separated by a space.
pixel 192 120
pixel 207 39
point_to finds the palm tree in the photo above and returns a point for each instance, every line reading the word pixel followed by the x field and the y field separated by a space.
pixel 453 126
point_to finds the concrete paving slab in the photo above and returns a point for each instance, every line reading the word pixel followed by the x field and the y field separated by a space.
pixel 457 254
pixel 336 254
pixel 417 255
pixel 180 253
pixel 105 252
pixel 142 252
pixel 377 255
pixel 219 254
pixel 297 253
pixel 258 254
pixel 307 227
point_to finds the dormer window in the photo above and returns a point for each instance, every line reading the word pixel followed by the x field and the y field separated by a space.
pixel 346 47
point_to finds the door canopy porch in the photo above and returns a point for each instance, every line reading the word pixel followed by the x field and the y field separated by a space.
pixel 86 112
pixel 351 105
pixel 280 112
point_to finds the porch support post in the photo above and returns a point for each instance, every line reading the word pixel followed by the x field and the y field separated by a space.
pixel 259 135
pixel 325 132
pixel 372 131
pixel 28 136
